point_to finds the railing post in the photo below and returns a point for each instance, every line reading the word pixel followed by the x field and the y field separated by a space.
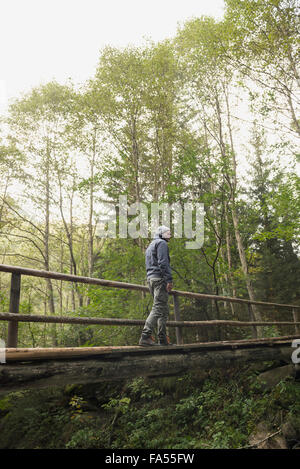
pixel 15 288
pixel 179 338
pixel 296 317
pixel 252 318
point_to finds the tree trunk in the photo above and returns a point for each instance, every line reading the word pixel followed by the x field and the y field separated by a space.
pixel 241 250
pixel 244 264
pixel 229 260
pixel 50 295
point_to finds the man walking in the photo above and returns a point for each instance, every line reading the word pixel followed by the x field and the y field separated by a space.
pixel 159 279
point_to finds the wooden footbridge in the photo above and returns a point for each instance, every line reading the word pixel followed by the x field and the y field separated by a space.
pixel 24 368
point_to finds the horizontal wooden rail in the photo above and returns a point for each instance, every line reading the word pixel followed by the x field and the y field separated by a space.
pixel 134 322
pixel 71 278
pixel 13 316
pixel 130 286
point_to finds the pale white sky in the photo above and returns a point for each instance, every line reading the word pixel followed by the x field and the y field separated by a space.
pixel 42 40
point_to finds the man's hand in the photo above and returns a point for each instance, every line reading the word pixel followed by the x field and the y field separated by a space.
pixel 169 286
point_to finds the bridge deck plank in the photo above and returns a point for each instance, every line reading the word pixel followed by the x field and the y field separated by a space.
pixel 23 354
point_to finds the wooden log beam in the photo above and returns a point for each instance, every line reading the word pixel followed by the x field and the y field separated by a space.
pixel 134 322
pixel 71 278
pixel 179 336
pixel 45 353
pixel 203 296
pixel 130 286
pixel 71 320
pixel 15 290
pixel 296 316
pixel 119 364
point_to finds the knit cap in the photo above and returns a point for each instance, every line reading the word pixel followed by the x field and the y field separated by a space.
pixel 162 229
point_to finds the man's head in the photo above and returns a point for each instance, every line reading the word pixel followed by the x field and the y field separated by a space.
pixel 164 232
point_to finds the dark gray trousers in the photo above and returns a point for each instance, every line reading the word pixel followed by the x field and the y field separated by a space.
pixel 160 310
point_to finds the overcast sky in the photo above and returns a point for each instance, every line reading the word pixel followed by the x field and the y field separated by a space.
pixel 42 40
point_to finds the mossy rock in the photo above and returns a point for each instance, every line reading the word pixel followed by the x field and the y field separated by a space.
pixel 271 378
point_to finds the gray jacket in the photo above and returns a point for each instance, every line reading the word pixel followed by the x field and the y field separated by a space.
pixel 158 259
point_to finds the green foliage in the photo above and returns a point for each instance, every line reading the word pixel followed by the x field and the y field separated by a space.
pixel 120 405
pixel 76 403
pixel 140 389
pixel 84 439
pixel 219 410
pixel 5 405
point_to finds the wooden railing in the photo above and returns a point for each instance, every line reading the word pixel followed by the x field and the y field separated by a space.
pixel 14 317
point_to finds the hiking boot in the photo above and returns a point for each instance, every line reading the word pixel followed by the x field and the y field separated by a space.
pixel 164 341
pixel 147 340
